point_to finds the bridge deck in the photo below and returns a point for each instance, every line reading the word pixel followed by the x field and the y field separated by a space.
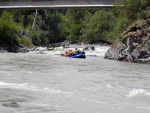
pixel 5 4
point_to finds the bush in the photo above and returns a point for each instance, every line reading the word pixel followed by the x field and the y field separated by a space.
pixel 101 23
pixel 8 29
pixel 120 26
pixel 25 41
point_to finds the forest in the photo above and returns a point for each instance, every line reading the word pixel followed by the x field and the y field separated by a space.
pixel 28 28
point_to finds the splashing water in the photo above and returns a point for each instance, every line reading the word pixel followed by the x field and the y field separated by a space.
pixel 99 51
pixel 138 92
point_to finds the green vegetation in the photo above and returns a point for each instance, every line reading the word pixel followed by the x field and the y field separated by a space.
pixel 100 24
pixel 28 27
pixel 8 29
pixel 11 33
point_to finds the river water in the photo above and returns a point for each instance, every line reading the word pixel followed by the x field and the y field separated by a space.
pixel 49 83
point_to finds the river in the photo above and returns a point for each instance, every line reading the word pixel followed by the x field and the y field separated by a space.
pixel 49 83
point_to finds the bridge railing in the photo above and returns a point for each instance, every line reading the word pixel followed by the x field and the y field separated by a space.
pixel 55 3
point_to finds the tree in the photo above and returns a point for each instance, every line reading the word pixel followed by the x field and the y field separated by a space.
pixel 72 24
pixel 8 29
pixel 49 31
pixel 101 23
pixel 133 9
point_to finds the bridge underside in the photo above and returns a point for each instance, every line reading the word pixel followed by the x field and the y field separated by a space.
pixel 48 4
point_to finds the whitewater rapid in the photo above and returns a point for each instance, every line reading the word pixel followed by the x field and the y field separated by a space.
pixel 44 82
pixel 99 50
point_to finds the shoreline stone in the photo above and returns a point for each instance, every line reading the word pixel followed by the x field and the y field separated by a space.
pixel 14 50
pixel 134 45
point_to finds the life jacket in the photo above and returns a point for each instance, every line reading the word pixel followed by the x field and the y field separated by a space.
pixel 68 52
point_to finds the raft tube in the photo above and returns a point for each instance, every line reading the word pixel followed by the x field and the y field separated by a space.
pixel 79 56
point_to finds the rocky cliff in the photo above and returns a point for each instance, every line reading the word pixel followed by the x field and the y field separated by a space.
pixel 134 45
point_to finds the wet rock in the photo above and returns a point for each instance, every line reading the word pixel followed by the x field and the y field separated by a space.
pixel 3 51
pixel 92 47
pixel 15 49
pixel 89 47
pixel 135 54
pixel 112 53
pixel 135 44
pixel 50 48
pixel 23 50
pixel 11 104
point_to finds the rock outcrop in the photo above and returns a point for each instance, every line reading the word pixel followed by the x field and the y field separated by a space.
pixel 134 45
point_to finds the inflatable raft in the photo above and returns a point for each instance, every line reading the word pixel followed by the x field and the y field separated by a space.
pixel 74 56
pixel 79 56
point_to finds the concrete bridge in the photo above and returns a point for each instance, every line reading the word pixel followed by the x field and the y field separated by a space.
pixel 48 4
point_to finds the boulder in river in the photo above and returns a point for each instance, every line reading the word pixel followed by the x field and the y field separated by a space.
pixel 134 45
pixel 11 104
pixel 89 47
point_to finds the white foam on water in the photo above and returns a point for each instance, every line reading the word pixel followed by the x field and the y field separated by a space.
pixel 99 51
pixel 36 104
pixel 46 89
pixel 41 48
pixel 51 52
pixel 109 86
pixel 102 102
pixel 27 86
pixel 138 92
pixel 17 86
pixel 141 107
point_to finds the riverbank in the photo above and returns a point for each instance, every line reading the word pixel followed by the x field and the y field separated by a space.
pixel 134 44
pixel 14 49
